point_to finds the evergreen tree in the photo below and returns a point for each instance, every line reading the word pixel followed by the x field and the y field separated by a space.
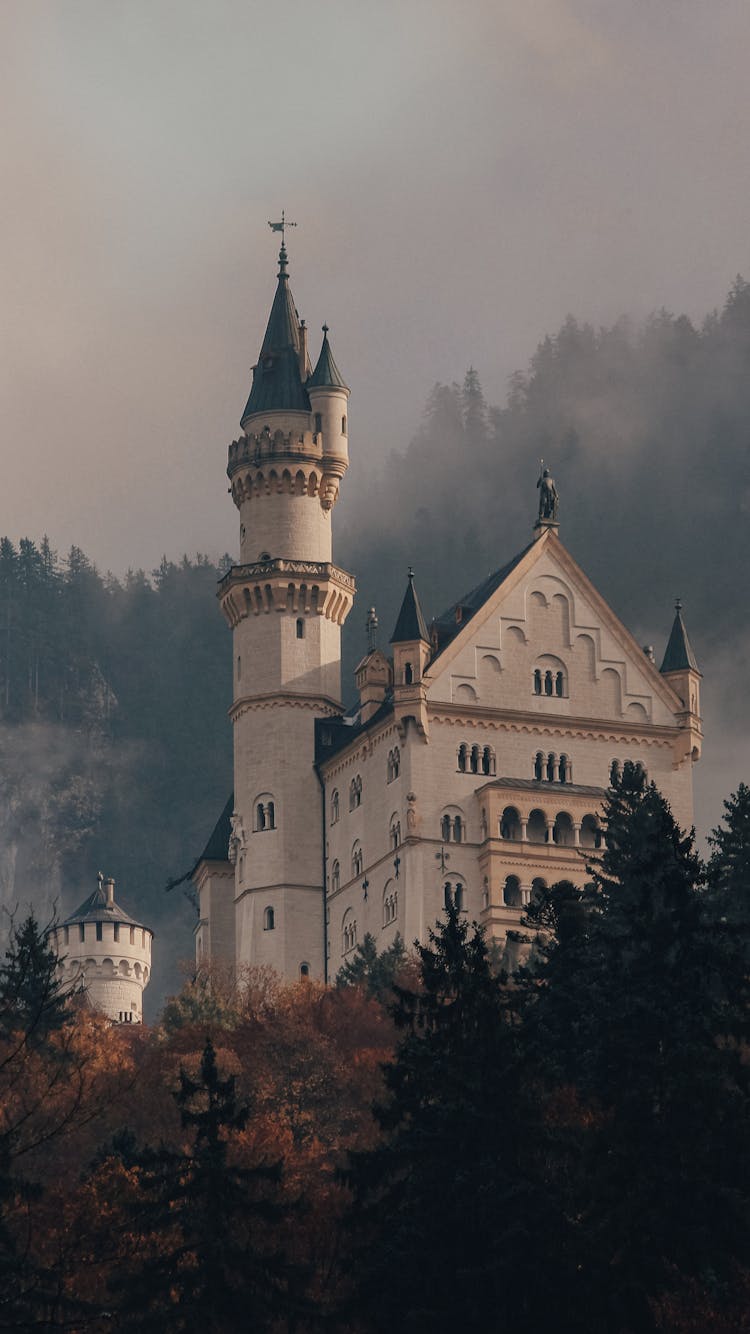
pixel 375 973
pixel 209 1264
pixel 453 1217
pixel 728 875
pixel 34 1001
pixel 625 1009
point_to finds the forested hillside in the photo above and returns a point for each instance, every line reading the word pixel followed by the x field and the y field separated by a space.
pixel 115 744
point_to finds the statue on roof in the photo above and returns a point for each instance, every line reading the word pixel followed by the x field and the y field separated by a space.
pixel 548 497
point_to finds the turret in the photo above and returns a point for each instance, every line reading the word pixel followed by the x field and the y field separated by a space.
pixel 108 952
pixel 411 655
pixel 680 669
pixel 329 402
pixel 373 676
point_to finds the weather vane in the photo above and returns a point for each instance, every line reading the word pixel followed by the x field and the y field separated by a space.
pixel 280 226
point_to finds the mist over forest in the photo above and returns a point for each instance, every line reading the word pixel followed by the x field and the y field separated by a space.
pixel 116 749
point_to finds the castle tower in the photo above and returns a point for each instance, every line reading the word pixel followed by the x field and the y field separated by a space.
pixel 108 952
pixel 680 669
pixel 285 603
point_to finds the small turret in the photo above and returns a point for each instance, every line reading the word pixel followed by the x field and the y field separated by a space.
pixel 411 655
pixel 329 397
pixel 680 669
pixel 373 675
pixel 108 951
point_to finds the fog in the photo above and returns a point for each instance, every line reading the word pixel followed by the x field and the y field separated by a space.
pixel 463 178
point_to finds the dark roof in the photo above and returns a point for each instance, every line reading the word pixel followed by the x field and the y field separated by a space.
pixel 550 789
pixel 326 372
pixel 679 653
pixel 96 909
pixel 411 623
pixel 217 848
pixel 277 380
pixel 333 734
pixel 446 626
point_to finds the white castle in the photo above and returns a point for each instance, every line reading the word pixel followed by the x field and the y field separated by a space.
pixel 106 953
pixel 474 766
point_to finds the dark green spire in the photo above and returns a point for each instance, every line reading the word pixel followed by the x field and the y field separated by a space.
pixel 679 654
pixel 411 624
pixel 326 373
pixel 277 381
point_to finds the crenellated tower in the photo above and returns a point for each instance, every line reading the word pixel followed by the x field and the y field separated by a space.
pixel 285 603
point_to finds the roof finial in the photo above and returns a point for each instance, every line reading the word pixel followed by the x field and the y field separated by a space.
pixel 372 630
pixel 411 575
pixel 325 330
pixel 281 227
pixel 549 499
pixel 678 604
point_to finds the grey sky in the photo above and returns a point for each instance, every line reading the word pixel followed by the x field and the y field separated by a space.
pixel 463 176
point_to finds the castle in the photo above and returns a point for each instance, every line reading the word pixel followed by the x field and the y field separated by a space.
pixel 474 766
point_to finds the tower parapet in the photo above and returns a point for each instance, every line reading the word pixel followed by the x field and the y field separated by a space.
pixel 103 949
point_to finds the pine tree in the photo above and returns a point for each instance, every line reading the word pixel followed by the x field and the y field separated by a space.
pixel 626 1011
pixel 376 973
pixel 728 906
pixel 208 1263
pixel 453 1217
pixel 34 1001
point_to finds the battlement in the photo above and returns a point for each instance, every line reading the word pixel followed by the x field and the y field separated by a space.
pixel 297 586
pixel 265 444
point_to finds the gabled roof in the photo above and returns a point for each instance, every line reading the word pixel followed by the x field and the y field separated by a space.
pixel 277 379
pixel 326 373
pixel 96 909
pixel 679 654
pixel 446 626
pixel 411 623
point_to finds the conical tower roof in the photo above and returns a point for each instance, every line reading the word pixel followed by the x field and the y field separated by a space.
pixel 326 373
pixel 97 908
pixel 411 624
pixel 277 379
pixel 679 654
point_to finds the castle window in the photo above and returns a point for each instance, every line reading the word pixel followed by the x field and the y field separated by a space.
pixel 304 970
pixel 82 931
pixel 265 814
pixel 334 805
pixel 486 893
pixel 66 934
pixel 488 760
pixel 537 681
pixel 445 828
pixel 300 628
pixel 318 422
pixel 394 764
pixel 99 930
pixel 394 833
pixel 463 755
pixel 132 935
pixel 453 894
pixel 355 793
pixel 548 683
pixel 343 425
pixel 239 667
pixel 408 674
pixel 512 892
pixel 559 684
pixel 390 903
pixel 335 878
pixel 539 766
pixel 348 932
pixel 474 760
pixel 564 769
pixel 458 829
pixel 510 824
pixel 269 919
pixel 550 768
pixel 357 859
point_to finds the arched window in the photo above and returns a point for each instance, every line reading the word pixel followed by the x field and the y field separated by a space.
pixel 265 813
pixel 564 769
pixel 408 674
pixel 300 628
pixel 318 422
pixel 589 836
pixel 269 919
pixel 614 773
pixel 488 760
pixel 348 932
pixel 537 681
pixel 486 893
pixel 559 684
pixel 548 683
pixel 260 816
pixel 562 831
pixel 357 859
pixel 445 829
pixel 539 766
pixel 463 753
pixel 396 761
pixel 390 903
pixel 335 808
pixel 394 833
pixel 453 894
pixel 355 793
pixel 550 768
pixel 512 892
pixel 458 829
pixel 510 824
pixel 304 970
pixel 474 761
pixel 335 878
pixel 239 667
pixel 536 827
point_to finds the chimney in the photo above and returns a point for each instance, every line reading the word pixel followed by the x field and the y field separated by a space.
pixel 109 890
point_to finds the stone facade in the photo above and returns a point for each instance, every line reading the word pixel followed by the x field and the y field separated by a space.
pixel 475 765
pixel 107 953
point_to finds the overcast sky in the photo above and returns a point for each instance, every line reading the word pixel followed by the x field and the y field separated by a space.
pixel 463 176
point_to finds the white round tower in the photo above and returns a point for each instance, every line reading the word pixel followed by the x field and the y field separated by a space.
pixel 107 952
pixel 285 602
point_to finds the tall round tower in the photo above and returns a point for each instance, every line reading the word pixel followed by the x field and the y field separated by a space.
pixel 108 953
pixel 286 603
